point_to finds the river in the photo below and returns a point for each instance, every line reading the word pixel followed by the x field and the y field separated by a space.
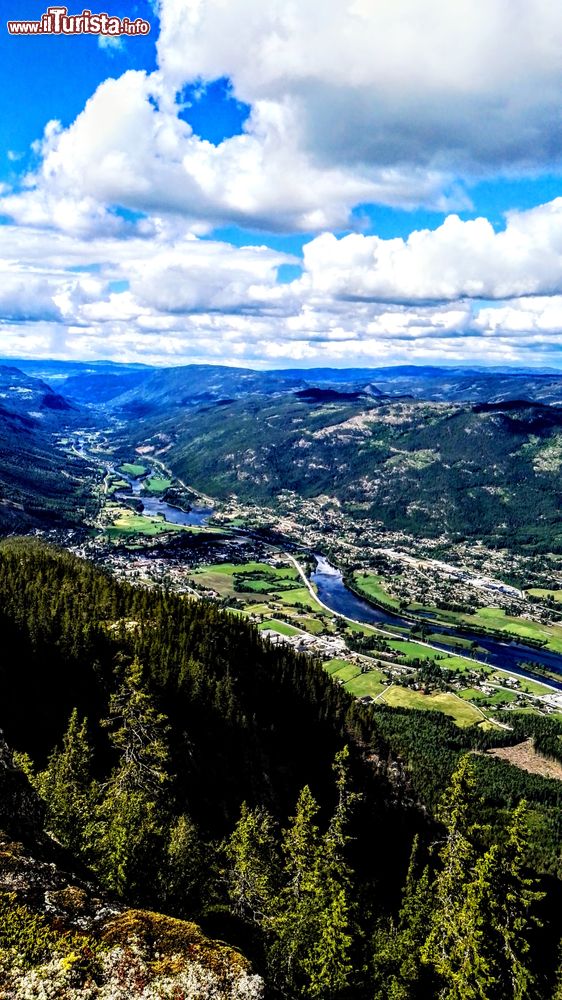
pixel 333 592
pixel 155 505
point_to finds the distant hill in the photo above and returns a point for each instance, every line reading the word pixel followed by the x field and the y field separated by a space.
pixel 38 484
pixel 426 468
pixel 141 393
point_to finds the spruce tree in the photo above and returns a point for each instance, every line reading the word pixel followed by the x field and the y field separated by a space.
pixel 131 817
pixel 399 973
pixel 67 787
pixel 254 867
pixel 454 943
pixel 314 923
pixel 512 895
pixel 186 869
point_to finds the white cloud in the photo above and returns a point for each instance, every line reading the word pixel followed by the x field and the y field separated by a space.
pixel 474 84
pixel 111 44
pixel 351 102
pixel 130 148
pixel 360 102
pixel 455 260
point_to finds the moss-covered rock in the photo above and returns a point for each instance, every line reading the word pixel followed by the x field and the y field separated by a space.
pixel 62 938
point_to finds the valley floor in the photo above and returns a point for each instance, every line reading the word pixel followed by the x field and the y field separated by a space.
pixel 241 558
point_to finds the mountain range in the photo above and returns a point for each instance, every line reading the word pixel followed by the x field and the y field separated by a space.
pixel 426 451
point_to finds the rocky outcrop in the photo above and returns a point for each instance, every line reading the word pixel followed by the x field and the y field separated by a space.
pixel 62 938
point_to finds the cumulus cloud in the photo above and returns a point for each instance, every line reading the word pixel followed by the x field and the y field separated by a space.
pixel 474 84
pixel 186 299
pixel 368 103
pixel 455 260
pixel 356 102
pixel 129 147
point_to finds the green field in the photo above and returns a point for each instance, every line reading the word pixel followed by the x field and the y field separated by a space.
pixel 257 578
pixel 276 626
pixel 505 696
pixel 455 641
pixel 299 596
pixel 157 484
pixel 461 711
pixel 117 484
pixel 372 586
pixel 127 522
pixel 346 672
pixel 525 685
pixel 496 619
pixel 358 684
pixel 313 625
pixel 371 683
pixel 132 469
pixel 415 651
pixel 541 592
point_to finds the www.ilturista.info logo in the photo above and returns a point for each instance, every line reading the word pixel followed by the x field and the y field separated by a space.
pixel 57 21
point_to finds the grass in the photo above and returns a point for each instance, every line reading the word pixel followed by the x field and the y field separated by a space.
pixel 332 666
pixel 497 698
pixel 415 651
pixel 461 666
pixel 371 683
pixel 526 686
pixel 347 672
pixel 357 683
pixel 157 484
pixel 519 628
pixel 130 523
pixel 312 625
pixel 463 713
pixel 132 469
pixel 543 592
pixel 117 484
pixel 455 641
pixel 276 626
pixel 299 596
pixel 224 578
pixel 372 586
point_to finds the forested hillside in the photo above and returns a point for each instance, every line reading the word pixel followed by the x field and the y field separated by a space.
pixel 39 485
pixel 196 770
pixel 418 467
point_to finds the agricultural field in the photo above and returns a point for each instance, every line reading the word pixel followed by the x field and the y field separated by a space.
pixel 128 523
pixel 357 683
pixel 541 592
pixel 463 712
pixel 132 469
pixel 156 484
pixel 277 626
pixel 373 586
pixel 503 697
pixel 276 594
pixel 496 619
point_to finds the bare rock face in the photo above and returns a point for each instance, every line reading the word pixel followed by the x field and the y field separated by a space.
pixel 21 810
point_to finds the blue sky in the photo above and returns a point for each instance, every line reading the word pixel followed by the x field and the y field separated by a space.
pixel 250 185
